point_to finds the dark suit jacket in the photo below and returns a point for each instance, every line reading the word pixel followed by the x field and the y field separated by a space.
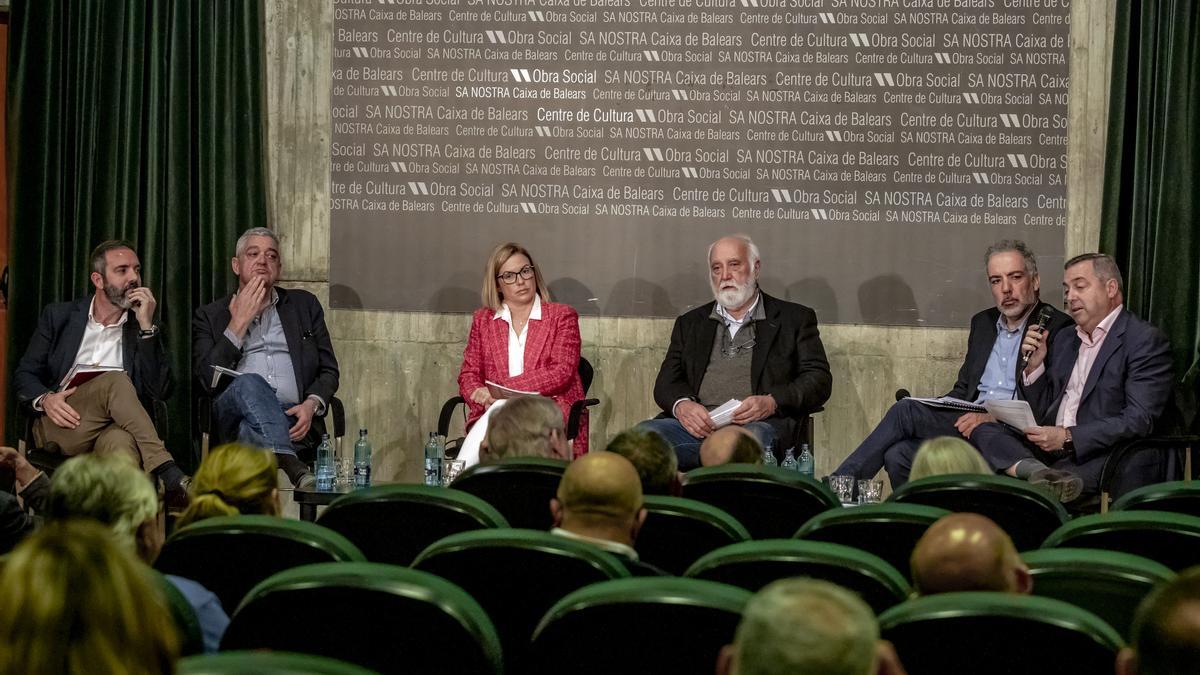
pixel 308 342
pixel 789 361
pixel 1126 389
pixel 51 353
pixel 983 338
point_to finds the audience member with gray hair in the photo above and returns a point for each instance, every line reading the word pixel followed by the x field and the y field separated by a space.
pixel 808 627
pixel 731 445
pixel 652 457
pixel 528 426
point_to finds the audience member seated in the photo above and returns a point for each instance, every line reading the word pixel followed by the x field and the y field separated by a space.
pixel 808 627
pixel 745 345
pixel 15 520
pixel 947 454
pixel 529 426
pixel 77 603
pixel 108 414
pixel 116 494
pixel 656 465
pixel 277 339
pixel 1166 630
pixel 600 502
pixel 968 552
pixel 234 479
pixel 522 341
pixel 731 445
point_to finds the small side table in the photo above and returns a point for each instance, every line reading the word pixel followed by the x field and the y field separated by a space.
pixel 310 498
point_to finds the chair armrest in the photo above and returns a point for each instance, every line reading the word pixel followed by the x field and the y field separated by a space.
pixel 447 413
pixel 577 409
pixel 338 412
pixel 1117 456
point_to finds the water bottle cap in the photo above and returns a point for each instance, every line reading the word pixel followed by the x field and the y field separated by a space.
pixel 324 437
pixel 362 431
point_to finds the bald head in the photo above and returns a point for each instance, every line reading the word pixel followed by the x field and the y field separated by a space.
pixel 968 552
pixel 600 495
pixel 730 445
pixel 1166 630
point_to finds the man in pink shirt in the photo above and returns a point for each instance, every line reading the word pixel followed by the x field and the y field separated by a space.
pixel 1108 383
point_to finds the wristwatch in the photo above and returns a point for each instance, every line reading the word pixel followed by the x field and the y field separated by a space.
pixel 1068 443
pixel 148 333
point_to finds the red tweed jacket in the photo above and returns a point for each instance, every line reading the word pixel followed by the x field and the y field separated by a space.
pixel 551 361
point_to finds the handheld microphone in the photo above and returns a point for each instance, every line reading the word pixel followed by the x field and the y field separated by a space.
pixel 1043 318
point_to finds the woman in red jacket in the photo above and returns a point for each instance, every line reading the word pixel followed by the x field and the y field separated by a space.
pixel 521 340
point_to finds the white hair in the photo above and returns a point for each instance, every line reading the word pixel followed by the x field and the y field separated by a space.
pixel 244 240
pixel 751 247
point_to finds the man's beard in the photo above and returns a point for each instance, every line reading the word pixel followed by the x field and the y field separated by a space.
pixel 120 296
pixel 732 298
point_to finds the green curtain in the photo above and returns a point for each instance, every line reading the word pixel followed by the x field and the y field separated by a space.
pixel 1152 172
pixel 139 120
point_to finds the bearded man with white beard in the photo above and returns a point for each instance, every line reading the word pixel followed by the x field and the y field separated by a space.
pixel 745 345
pixel 108 414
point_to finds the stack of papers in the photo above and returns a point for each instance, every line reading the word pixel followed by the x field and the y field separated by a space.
pixel 1016 414
pixel 499 391
pixel 83 373
pixel 949 402
pixel 723 414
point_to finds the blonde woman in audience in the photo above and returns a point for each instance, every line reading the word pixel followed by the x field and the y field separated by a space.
pixel 75 603
pixel 947 454
pixel 234 479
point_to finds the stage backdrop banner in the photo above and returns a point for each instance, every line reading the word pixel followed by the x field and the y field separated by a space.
pixel 872 148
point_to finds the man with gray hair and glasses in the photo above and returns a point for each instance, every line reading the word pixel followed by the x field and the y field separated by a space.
pixel 988 372
pixel 277 342
pixel 808 627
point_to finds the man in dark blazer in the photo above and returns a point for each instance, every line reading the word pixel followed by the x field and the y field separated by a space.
pixel 1105 382
pixel 113 327
pixel 989 371
pixel 745 345
pixel 278 342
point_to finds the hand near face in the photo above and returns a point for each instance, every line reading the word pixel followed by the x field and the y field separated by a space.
pixel 247 304
pixel 1035 341
pixel 143 306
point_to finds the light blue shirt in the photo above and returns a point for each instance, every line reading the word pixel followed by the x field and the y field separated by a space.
pixel 209 613
pixel 999 380
pixel 265 352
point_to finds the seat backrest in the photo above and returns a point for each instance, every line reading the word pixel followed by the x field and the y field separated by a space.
pixel 520 488
pixel 230 554
pixel 266 663
pixel 393 523
pixel 678 531
pixel 888 530
pixel 1026 513
pixel 516 575
pixel 1172 539
pixel 383 617
pixel 988 633
pixel 772 503
pixel 754 564
pixel 1110 584
pixel 659 625
pixel 1174 496
pixel 586 373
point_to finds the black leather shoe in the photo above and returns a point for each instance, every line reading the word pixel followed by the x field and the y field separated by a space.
pixel 1062 485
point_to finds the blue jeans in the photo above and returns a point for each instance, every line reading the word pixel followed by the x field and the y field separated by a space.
pixel 687 446
pixel 894 443
pixel 248 411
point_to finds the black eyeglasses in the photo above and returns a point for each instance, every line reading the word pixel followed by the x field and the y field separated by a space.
pixel 525 272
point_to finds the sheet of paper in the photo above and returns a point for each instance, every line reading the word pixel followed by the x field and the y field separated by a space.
pixel 949 402
pixel 80 374
pixel 1015 414
pixel 499 391
pixel 722 415
pixel 218 371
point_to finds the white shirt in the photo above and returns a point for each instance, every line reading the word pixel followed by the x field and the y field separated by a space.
pixel 101 345
pixel 516 343
pixel 734 325
pixel 610 546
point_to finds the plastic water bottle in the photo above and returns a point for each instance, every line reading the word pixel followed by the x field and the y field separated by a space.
pixel 433 460
pixel 789 460
pixel 325 467
pixel 362 460
pixel 769 454
pixel 805 462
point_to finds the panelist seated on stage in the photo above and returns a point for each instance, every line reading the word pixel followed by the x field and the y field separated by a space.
pixel 522 341
pixel 1104 382
pixel 989 371
pixel 529 426
pixel 277 339
pixel 114 328
pixel 968 552
pixel 746 345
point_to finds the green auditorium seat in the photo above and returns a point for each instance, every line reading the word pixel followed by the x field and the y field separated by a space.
pixel 754 564
pixel 230 554
pixel 678 531
pixel 520 488
pixel 772 503
pixel 266 663
pixel 1026 513
pixel 889 530
pixel 393 523
pixel 659 625
pixel 1175 497
pixel 989 633
pixel 191 635
pixel 1109 584
pixel 384 617
pixel 516 575
pixel 1168 538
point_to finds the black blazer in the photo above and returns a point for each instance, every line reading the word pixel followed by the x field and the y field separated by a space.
pixel 789 360
pixel 52 350
pixel 983 338
pixel 308 342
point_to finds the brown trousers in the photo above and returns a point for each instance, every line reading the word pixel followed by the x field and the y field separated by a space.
pixel 112 422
